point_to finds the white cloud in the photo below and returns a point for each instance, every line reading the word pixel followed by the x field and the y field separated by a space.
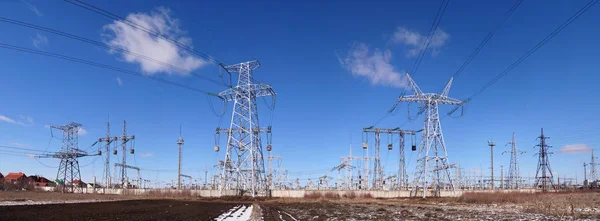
pixel 39 40
pixel 119 81
pixel 374 66
pixel 414 40
pixel 575 149
pixel 47 126
pixel 82 131
pixel 144 155
pixel 475 170
pixel 159 20
pixel 24 121
pixel 33 8
pixel 17 144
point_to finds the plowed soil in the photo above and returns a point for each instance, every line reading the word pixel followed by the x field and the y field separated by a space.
pixel 119 210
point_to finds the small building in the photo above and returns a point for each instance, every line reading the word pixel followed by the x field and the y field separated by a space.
pixel 40 181
pixel 1 176
pixel 15 178
pixel 79 183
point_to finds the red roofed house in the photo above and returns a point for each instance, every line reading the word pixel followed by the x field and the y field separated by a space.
pixel 15 178
pixel 40 181
pixel 79 183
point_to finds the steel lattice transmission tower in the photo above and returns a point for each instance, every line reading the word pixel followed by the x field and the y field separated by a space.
pixel 593 171
pixel 68 169
pixel 244 168
pixel 436 165
pixel 544 175
pixel 514 178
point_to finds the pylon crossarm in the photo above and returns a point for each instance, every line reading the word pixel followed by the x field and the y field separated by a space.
pixel 259 90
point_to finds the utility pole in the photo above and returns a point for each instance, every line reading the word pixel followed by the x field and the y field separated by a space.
pixel 501 177
pixel 492 144
pixel 584 172
pixel 433 139
pixel 593 171
pixel 544 175
pixel 180 144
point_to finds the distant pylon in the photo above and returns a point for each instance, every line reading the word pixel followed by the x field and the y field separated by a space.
pixel 244 167
pixel 544 177
pixel 514 178
pixel 432 141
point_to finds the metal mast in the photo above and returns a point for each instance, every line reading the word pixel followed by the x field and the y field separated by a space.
pixel 180 144
pixel 544 177
pixel 124 140
pixel 433 139
pixel 244 167
pixel 107 141
pixel 593 173
pixel 492 144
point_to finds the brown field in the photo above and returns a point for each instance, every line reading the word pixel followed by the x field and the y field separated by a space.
pixel 471 206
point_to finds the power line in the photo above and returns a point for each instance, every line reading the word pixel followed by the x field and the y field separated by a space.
pixel 422 52
pixel 142 28
pixel 82 61
pixel 532 50
pixel 487 38
pixel 25 149
pixel 104 45
pixel 432 30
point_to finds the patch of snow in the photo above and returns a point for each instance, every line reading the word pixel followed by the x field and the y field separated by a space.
pixel 238 213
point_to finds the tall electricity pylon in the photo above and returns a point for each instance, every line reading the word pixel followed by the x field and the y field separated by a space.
pixel 544 177
pixel 244 168
pixel 514 178
pixel 593 171
pixel 68 170
pixel 433 139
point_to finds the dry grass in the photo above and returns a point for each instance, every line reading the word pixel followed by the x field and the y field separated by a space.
pixel 335 196
pixel 580 204
pixel 53 196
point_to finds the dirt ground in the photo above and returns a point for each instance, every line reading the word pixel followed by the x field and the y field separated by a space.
pixel 563 206
pixel 119 210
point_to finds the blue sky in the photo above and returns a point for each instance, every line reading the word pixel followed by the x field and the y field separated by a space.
pixel 306 50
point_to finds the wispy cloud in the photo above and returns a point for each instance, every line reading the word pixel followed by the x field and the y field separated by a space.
pixel 414 40
pixel 119 81
pixel 39 40
pixel 149 154
pixel 159 20
pixel 17 144
pixel 373 65
pixel 32 8
pixel 82 131
pixel 575 149
pixel 23 120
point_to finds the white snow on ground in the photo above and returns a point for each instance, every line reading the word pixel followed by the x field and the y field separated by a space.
pixel 288 215
pixel 31 202
pixel 238 213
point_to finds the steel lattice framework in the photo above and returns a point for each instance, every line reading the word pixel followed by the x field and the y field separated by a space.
pixel 244 168
pixel 432 140
pixel 514 178
pixel 544 177
pixel 68 169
